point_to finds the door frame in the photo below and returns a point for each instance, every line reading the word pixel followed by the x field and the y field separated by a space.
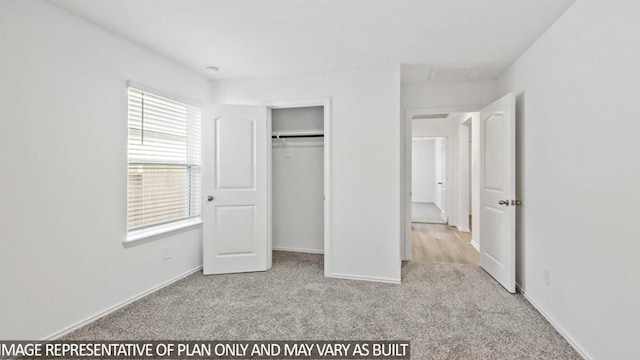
pixel 286 104
pixel 405 170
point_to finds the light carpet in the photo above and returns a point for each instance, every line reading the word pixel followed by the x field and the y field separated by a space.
pixel 447 311
pixel 426 212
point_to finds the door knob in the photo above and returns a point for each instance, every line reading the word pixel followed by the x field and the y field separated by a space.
pixel 209 197
pixel 503 202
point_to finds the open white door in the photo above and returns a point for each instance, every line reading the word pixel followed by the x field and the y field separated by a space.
pixel 234 210
pixel 497 191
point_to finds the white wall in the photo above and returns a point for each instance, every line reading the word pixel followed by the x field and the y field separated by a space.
pixel 63 107
pixel 304 119
pixel 583 68
pixel 298 182
pixel 475 94
pixel 365 159
pixel 432 127
pixel 423 174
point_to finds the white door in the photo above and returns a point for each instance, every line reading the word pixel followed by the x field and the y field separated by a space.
pixel 497 191
pixel 235 189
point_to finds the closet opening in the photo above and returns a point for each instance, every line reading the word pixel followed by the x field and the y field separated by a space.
pixel 298 173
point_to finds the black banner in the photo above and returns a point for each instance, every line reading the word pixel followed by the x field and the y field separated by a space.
pixel 171 349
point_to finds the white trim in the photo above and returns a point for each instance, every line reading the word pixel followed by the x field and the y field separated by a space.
pixel 475 245
pixel 269 189
pixel 119 306
pixel 300 250
pixel 557 326
pixel 164 94
pixel 365 278
pixel 298 103
pixel 326 104
pixel 461 229
pixel 142 236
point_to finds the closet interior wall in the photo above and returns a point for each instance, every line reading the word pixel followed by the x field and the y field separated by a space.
pixel 298 180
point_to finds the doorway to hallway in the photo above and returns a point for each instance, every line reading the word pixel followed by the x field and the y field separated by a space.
pixel 483 183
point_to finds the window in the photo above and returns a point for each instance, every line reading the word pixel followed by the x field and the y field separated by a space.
pixel 164 160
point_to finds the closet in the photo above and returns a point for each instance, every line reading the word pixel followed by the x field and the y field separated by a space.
pixel 297 179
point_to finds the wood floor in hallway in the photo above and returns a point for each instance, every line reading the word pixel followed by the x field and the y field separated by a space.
pixel 442 243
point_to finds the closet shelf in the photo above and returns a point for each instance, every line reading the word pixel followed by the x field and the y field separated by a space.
pixel 297 134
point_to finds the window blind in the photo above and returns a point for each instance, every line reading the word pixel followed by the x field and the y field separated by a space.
pixel 163 160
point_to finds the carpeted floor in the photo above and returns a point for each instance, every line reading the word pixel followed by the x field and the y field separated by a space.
pixel 447 311
pixel 422 212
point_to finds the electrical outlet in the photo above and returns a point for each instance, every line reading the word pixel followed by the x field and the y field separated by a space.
pixel 546 276
pixel 166 254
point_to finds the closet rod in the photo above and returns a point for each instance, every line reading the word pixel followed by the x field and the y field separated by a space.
pixel 296 136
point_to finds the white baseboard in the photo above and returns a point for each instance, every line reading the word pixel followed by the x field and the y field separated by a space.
pixel 108 311
pixel 463 229
pixel 475 244
pixel 553 323
pixel 364 278
pixel 292 249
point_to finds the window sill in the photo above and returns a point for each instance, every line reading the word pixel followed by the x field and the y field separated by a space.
pixel 138 237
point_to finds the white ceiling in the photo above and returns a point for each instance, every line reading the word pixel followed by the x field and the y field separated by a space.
pixel 268 37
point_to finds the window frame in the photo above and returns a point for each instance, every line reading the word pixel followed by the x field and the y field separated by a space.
pixel 152 232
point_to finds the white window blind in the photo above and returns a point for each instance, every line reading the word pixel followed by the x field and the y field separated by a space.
pixel 164 160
